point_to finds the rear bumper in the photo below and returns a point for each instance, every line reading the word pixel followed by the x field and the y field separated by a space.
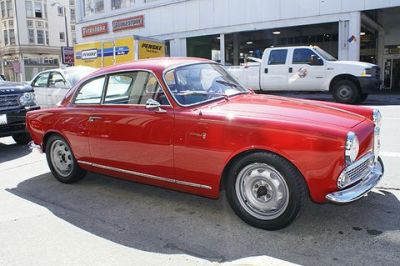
pixel 359 190
pixel 369 84
pixel 15 121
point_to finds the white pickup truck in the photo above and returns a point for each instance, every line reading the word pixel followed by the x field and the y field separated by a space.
pixel 309 68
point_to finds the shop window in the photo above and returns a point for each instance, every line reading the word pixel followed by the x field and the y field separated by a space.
pixel 277 57
pixel 302 56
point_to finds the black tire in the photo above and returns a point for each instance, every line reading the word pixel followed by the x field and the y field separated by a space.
pixel 346 91
pixel 73 172
pixel 22 139
pixel 363 97
pixel 296 190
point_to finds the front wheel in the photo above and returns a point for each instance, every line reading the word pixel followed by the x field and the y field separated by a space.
pixel 61 160
pixel 346 91
pixel 22 139
pixel 265 190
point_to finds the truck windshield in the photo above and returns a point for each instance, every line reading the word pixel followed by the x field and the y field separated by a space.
pixel 325 54
pixel 199 83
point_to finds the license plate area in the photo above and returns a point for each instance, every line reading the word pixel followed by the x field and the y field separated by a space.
pixel 3 119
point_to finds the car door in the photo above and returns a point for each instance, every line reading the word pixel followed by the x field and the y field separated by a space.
pixel 273 72
pixel 57 88
pixel 39 85
pixel 127 136
pixel 307 71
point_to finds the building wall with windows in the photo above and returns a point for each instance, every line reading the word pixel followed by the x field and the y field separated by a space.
pixel 31 35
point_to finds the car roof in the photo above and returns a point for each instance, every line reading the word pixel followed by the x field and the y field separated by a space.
pixel 154 64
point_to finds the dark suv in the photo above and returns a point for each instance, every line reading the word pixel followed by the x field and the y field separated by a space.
pixel 15 100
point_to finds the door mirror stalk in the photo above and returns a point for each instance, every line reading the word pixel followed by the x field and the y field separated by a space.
pixel 153 105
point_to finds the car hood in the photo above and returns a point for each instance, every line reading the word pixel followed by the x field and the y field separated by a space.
pixel 8 87
pixel 352 63
pixel 286 109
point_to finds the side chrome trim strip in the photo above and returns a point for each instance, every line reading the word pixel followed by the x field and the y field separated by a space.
pixel 169 180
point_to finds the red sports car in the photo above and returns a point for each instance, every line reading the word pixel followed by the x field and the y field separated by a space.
pixel 186 124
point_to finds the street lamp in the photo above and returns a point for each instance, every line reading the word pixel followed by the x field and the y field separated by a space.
pixel 65 19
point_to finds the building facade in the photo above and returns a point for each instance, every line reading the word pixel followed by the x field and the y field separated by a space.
pixel 32 33
pixel 229 31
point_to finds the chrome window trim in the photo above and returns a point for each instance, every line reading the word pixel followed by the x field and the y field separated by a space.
pixel 165 179
pixel 190 64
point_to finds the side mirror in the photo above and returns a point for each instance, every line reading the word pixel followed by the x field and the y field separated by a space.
pixel 153 105
pixel 316 61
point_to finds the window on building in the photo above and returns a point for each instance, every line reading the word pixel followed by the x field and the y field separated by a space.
pixel 117 4
pixel 29 8
pixel 72 2
pixel 60 10
pixel 12 36
pixel 5 34
pixel 5 24
pixel 40 36
pixel 62 37
pixel 45 10
pixel 92 7
pixel 29 23
pixel 47 38
pixel 39 24
pixel 3 9
pixel 277 57
pixel 72 27
pixel 38 10
pixel 31 36
pixel 10 10
pixel 11 23
pixel 73 15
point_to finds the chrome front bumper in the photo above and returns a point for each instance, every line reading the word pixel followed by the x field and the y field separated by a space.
pixel 359 190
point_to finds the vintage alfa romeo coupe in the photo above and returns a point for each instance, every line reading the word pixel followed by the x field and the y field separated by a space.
pixel 187 125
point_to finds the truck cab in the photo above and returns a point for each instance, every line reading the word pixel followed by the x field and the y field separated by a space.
pixel 16 99
pixel 309 68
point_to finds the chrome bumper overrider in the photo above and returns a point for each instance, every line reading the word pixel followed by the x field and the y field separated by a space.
pixel 359 190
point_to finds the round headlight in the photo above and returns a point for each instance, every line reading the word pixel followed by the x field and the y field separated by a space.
pixel 352 148
pixel 28 98
pixel 377 117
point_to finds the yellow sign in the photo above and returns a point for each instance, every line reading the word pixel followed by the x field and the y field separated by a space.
pixel 148 49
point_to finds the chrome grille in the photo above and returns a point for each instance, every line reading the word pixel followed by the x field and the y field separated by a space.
pixel 361 170
pixel 9 101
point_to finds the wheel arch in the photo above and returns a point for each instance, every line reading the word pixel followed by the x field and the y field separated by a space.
pixel 341 77
pixel 48 134
pixel 243 153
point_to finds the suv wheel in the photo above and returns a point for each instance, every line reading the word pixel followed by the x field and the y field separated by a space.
pixel 22 139
pixel 346 91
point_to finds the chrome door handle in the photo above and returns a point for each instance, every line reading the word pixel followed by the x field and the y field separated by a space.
pixel 94 118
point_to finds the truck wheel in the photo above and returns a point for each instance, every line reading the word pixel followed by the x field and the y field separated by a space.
pixel 61 160
pixel 265 190
pixel 346 91
pixel 22 139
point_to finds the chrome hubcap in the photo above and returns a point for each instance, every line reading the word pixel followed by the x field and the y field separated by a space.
pixel 61 158
pixel 345 92
pixel 262 191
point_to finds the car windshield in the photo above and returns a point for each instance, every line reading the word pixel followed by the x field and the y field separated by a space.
pixel 199 83
pixel 74 75
pixel 325 54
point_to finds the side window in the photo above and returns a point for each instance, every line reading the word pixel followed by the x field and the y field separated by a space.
pixel 134 88
pixel 41 80
pixel 302 56
pixel 277 57
pixel 56 80
pixel 90 92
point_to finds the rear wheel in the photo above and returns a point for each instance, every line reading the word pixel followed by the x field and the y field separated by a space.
pixel 265 190
pixel 346 91
pixel 22 139
pixel 61 160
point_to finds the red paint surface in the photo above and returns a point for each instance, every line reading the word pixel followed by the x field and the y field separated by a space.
pixel 309 134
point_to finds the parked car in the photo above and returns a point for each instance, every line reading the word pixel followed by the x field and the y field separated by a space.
pixel 187 125
pixel 309 68
pixel 51 85
pixel 16 99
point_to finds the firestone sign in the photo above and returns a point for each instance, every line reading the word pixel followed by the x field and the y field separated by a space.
pixel 128 23
pixel 95 29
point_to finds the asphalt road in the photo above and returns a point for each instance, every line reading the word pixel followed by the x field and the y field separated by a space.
pixel 102 220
